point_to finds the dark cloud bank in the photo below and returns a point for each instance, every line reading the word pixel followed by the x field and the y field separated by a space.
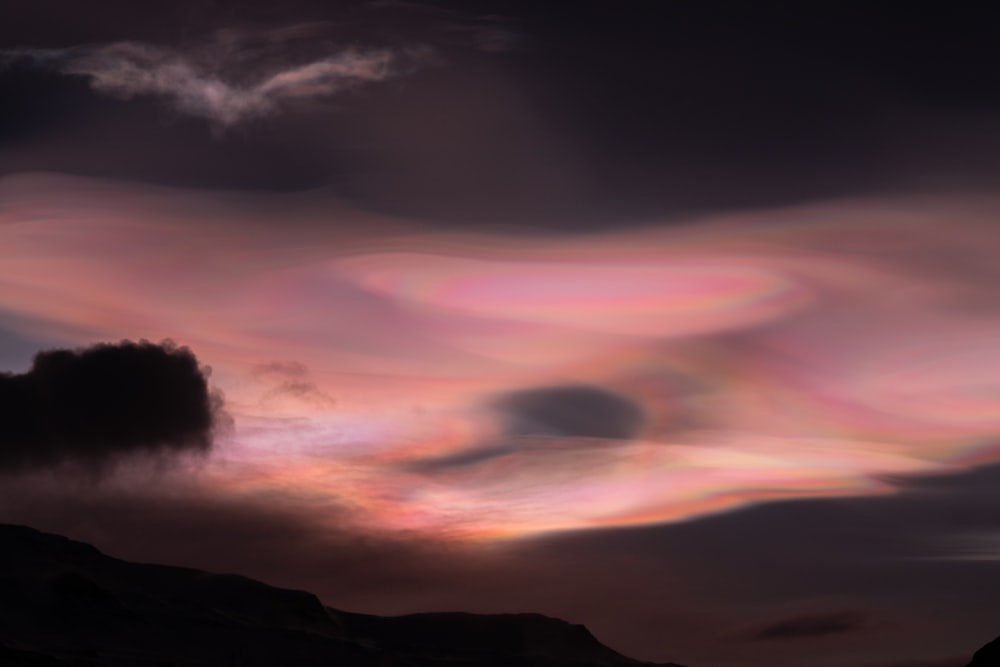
pixel 92 405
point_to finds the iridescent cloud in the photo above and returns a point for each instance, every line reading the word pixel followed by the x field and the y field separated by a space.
pixel 801 352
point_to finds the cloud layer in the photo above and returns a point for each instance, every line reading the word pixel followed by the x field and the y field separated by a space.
pixel 740 360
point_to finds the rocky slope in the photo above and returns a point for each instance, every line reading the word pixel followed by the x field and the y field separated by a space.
pixel 65 603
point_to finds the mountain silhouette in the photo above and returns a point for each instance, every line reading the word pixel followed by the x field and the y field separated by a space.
pixel 987 656
pixel 65 604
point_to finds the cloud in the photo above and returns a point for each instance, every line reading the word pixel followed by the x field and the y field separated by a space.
pixel 290 381
pixel 576 411
pixel 92 405
pixel 545 417
pixel 415 348
pixel 223 82
pixel 129 69
pixel 813 625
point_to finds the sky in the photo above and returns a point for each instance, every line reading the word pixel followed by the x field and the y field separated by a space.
pixel 675 319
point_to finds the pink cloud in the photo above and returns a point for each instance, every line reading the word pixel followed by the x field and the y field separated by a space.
pixel 772 359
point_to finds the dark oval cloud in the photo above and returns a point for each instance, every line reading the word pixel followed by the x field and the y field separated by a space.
pixel 812 625
pixel 92 405
pixel 574 410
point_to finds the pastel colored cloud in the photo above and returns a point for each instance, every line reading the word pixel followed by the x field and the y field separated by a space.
pixel 807 352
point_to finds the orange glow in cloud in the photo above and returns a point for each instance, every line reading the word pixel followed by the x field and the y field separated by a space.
pixel 804 352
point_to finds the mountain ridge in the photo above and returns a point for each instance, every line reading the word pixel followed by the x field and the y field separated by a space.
pixel 64 603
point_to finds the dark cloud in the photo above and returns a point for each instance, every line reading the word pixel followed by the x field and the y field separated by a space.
pixel 813 625
pixel 531 416
pixel 575 411
pixel 92 405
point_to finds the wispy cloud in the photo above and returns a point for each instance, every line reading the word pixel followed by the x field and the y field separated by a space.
pixel 223 89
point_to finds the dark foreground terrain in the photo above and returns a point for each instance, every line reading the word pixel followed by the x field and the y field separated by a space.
pixel 65 603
